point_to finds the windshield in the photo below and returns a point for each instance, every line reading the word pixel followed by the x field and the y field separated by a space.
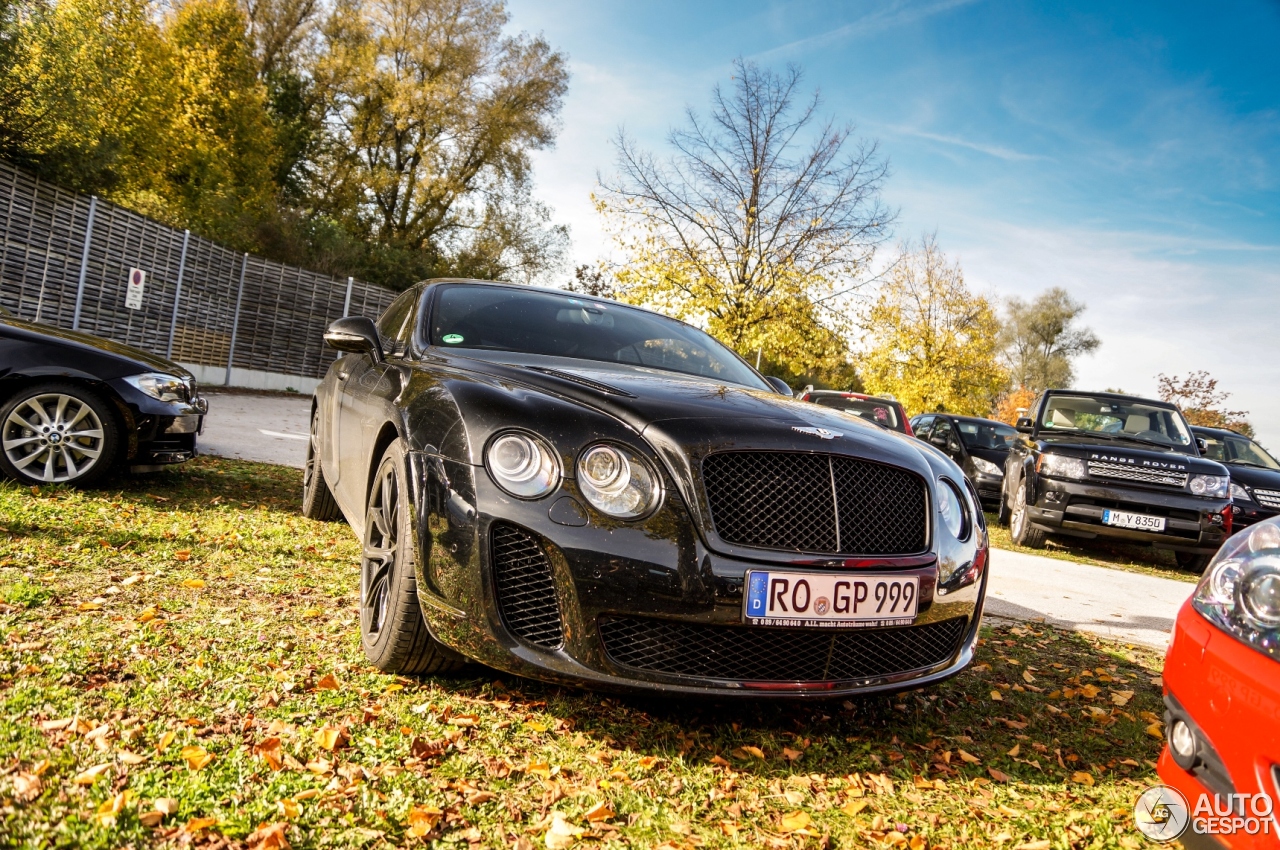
pixel 877 410
pixel 1117 418
pixel 496 318
pixel 986 435
pixel 1237 449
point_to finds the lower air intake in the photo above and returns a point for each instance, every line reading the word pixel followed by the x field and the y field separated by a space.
pixel 526 590
pixel 777 655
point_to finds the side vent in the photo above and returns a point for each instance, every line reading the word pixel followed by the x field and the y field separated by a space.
pixel 526 589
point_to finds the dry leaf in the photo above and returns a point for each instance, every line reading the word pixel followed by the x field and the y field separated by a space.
pixel 328 683
pixel 331 737
pixel 89 776
pixel 1155 730
pixel 790 754
pixel 1082 777
pixel 165 740
pixel 196 583
pixel 600 811
pixel 752 751
pixel 423 819
pixel 995 695
pixel 130 758
pixel 539 768
pixel 852 807
pixel 289 808
pixel 1027 677
pixel 197 756
pixel 795 820
pixel 182 555
pixel 269 836
pixel 562 834
pixel 969 758
pixel 89 606
pixel 26 787
pixel 720 760
pixel 272 752
pixel 647 761
pixel 1017 748
pixel 1042 844
pixel 998 775
pixel 197 824
pixel 166 805
pixel 151 818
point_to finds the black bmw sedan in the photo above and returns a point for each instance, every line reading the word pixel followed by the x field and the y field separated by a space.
pixel 74 406
pixel 575 490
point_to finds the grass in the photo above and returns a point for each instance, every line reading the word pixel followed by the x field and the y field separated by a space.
pixel 180 665
pixel 1100 552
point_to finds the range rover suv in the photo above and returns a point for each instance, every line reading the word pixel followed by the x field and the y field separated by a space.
pixel 1093 465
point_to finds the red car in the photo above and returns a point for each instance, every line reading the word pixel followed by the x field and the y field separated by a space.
pixel 885 412
pixel 1222 697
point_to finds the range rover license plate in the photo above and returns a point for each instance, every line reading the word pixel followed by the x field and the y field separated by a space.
pixel 830 600
pixel 1142 522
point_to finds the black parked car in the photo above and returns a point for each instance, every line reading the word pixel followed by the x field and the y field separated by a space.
pixel 980 446
pixel 571 489
pixel 1108 465
pixel 73 406
pixel 1255 474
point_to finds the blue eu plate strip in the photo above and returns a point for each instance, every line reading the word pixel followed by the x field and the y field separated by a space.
pixel 757 594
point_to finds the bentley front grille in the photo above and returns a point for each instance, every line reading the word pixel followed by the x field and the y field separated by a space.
pixel 1141 474
pixel 526 589
pixel 777 655
pixel 815 503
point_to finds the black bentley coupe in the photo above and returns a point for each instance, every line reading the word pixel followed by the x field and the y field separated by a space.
pixel 575 490
pixel 74 406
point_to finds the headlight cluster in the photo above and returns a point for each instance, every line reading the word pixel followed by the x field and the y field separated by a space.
pixel 953 514
pixel 1240 494
pixel 1062 466
pixel 160 386
pixel 1240 592
pixel 614 479
pixel 986 467
pixel 1210 486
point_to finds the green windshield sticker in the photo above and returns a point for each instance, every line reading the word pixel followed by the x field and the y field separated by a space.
pixel 452 339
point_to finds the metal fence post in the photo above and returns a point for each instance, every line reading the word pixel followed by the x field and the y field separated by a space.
pixel 235 321
pixel 346 305
pixel 177 293
pixel 84 263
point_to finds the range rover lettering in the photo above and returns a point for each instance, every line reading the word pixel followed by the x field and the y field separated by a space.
pixel 571 489
pixel 1105 465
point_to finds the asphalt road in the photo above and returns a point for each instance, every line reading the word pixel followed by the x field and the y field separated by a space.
pixel 1129 607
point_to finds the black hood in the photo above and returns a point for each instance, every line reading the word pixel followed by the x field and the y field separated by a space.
pixel 1254 476
pixel 1128 453
pixel 142 361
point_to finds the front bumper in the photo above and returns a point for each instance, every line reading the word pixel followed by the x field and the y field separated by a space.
pixel 657 572
pixel 1229 694
pixel 1075 508
pixel 1246 514
pixel 160 433
pixel 990 487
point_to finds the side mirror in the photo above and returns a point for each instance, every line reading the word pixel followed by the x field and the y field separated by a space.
pixel 780 386
pixel 357 334
pixel 1025 424
pixel 1202 445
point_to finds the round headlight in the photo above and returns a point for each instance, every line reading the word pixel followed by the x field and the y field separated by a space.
pixel 522 466
pixel 1260 595
pixel 617 481
pixel 951 511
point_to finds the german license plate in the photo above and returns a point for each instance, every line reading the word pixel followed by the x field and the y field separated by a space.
pixel 830 600
pixel 1141 522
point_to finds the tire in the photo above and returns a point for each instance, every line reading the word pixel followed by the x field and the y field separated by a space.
pixel 394 635
pixel 1192 562
pixel 58 432
pixel 1002 513
pixel 317 498
pixel 1020 527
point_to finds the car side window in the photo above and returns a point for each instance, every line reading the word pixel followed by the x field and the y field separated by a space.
pixel 941 435
pixel 922 426
pixel 395 325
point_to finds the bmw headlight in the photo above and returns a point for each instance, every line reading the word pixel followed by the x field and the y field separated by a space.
pixel 160 386
pixel 1062 466
pixel 986 467
pixel 1240 494
pixel 522 465
pixel 1210 486
pixel 952 514
pixel 1240 592
pixel 617 481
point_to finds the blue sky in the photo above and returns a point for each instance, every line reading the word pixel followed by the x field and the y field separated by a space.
pixel 1129 152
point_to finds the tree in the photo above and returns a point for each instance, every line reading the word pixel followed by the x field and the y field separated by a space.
pixel 758 225
pixel 1202 402
pixel 931 342
pixel 1040 339
pixel 432 114
pixel 1014 404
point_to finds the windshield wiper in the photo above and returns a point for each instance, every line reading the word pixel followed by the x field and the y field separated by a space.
pixel 1250 463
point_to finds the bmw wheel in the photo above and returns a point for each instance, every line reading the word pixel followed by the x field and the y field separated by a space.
pixel 57 433
pixel 395 637
pixel 317 498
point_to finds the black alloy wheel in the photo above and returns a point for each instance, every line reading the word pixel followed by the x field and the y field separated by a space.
pixel 395 637
pixel 57 433
pixel 317 498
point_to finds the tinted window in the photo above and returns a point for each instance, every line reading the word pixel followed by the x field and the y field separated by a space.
pixel 867 408
pixel 1239 450
pixel 394 325
pixel 922 426
pixel 532 322
pixel 941 431
pixel 986 435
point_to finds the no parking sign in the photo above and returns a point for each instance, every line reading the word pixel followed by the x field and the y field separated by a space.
pixel 137 285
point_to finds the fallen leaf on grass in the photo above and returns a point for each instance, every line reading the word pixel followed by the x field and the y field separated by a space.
pixel 599 812
pixel 56 725
pixel 328 683
pixel 197 756
pixel 1027 677
pixel 331 737
pixel 423 819
pixel 998 775
pixel 130 758
pixel 289 808
pixel 852 807
pixel 647 761
pixel 182 555
pixel 1082 777
pixel 969 758
pixel 110 810
pixel 147 615
pixel 1155 730
pixel 272 752
pixel 269 837
pixel 151 818
pixel 197 824
pixel 195 583
pixel 720 760
pixel 795 820
pixel 464 720
pixel 165 740
pixel 748 750
pixel 1121 698
pixel 561 834
pixel 790 754
pixel 995 695
pixel 1042 844
pixel 89 776
pixel 26 787
pixel 166 805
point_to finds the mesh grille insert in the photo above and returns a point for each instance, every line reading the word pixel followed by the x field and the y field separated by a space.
pixel 1102 469
pixel 526 589
pixel 815 503
pixel 1270 498
pixel 777 655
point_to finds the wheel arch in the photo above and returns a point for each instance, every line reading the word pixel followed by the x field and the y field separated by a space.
pixel 125 421
pixel 387 435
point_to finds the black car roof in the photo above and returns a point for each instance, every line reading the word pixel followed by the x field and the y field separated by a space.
pixel 1116 396
pixel 1195 429
pixel 970 418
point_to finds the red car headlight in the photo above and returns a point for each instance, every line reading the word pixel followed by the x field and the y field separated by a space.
pixel 1240 592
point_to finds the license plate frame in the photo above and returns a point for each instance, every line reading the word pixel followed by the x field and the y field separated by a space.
pixel 868 597
pixel 1134 521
